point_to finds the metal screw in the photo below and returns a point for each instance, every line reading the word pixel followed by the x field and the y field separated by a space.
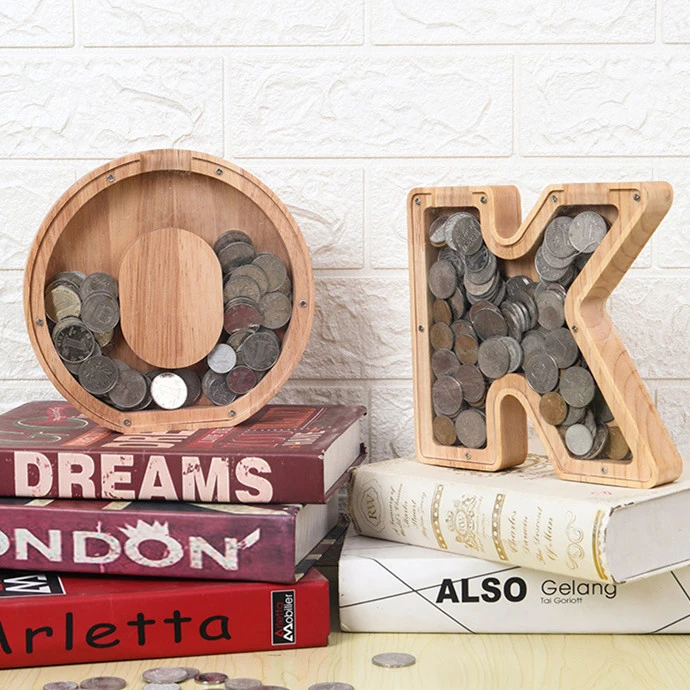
pixel 417 201
pixel 482 199
pixel 39 322
pixel 127 422
pixel 604 470
pixel 636 196
pixel 231 413
pixel 420 329
pixel 468 456
pixel 219 171
pixel 111 178
pixel 303 303
pixel 574 329
pixel 554 198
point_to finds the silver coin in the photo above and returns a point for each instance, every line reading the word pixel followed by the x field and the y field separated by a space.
pixel 532 342
pixel 241 380
pixel 442 279
pixel 486 272
pixel 478 261
pixel 444 362
pixel 393 660
pixel 242 286
pixel 100 312
pixel 463 233
pixel 230 236
pixel 578 439
pixel 601 435
pixel 216 389
pixel 210 678
pixel 489 323
pixel 551 313
pixel 493 358
pixel 61 685
pixel 274 269
pixel 190 670
pixel 515 352
pixel 574 416
pixel 446 395
pixel 272 687
pixel 450 255
pixel 169 391
pixel 103 683
pixel 164 674
pixel 545 271
pixel 577 386
pixel 221 359
pixel 129 391
pixel 515 284
pixel 235 254
pixel 72 277
pixel 556 262
pixel 457 303
pixel 527 300
pixel 98 375
pixel 256 273
pixel 331 686
pixel 242 683
pixel 541 372
pixel 275 309
pixel 590 422
pixel 587 231
pixel 437 235
pixel 61 301
pixel 259 351
pixel 561 345
pixel 98 282
pixel 602 412
pixel 162 686
pixel 472 382
pixel 73 341
pixel 557 238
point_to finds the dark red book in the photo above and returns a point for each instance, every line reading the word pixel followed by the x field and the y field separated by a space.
pixel 48 619
pixel 216 541
pixel 283 454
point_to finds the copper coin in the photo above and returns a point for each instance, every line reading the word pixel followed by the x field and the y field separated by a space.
pixel 561 345
pixel 230 236
pixel 100 312
pixel 61 301
pixel 462 327
pixel 191 671
pixel 104 339
pixel 241 286
pixel 470 428
pixel 210 678
pixel 273 267
pixel 73 341
pixel 444 430
pixel 239 316
pixel 441 336
pixel 442 279
pixel 98 375
pixel 256 273
pixel 275 309
pixel 553 408
pixel 467 349
pixel 457 303
pixel 241 380
pixel 441 312
pixel 445 363
pixel 616 447
pixel 215 388
pixel 541 372
pixel 446 395
pixel 493 358
pixel 577 386
pixel 98 282
pixel 235 254
pixel 472 382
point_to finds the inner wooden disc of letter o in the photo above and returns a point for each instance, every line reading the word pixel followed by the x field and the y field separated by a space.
pixel 171 298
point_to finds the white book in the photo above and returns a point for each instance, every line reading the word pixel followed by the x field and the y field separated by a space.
pixel 526 516
pixel 390 587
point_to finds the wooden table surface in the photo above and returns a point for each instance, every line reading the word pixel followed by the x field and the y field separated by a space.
pixel 443 661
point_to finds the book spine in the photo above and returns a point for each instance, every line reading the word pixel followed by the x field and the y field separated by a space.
pixel 457 594
pixel 237 618
pixel 65 537
pixel 549 533
pixel 159 474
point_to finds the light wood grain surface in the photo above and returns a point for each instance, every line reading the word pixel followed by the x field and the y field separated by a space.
pixel 443 662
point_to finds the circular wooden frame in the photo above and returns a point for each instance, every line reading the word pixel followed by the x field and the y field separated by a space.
pixel 97 219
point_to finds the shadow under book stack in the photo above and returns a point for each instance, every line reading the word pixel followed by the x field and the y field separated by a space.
pixel 167 544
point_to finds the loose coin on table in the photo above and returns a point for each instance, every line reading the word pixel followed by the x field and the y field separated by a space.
pixel 210 678
pixel 393 660
pixel 331 686
pixel 165 674
pixel 162 686
pixel 242 683
pixel 61 685
pixel 103 683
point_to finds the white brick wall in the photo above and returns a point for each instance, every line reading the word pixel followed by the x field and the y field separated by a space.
pixel 342 107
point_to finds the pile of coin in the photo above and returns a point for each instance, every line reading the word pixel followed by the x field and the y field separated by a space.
pixel 486 325
pixel 83 312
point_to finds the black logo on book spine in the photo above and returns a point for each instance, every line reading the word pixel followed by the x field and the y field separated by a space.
pixel 283 610
pixel 21 583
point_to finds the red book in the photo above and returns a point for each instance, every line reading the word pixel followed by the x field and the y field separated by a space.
pixel 48 619
pixel 283 454
pixel 216 541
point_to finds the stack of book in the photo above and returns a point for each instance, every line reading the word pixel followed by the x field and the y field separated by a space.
pixel 520 551
pixel 241 513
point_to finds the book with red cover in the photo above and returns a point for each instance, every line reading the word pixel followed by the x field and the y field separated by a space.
pixel 48 619
pixel 216 541
pixel 283 454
